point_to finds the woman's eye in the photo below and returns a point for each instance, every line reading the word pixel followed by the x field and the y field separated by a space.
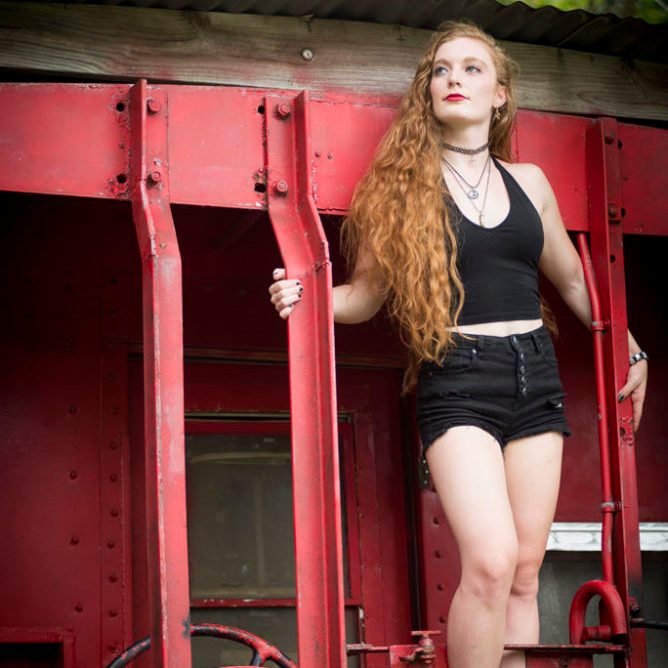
pixel 440 70
pixel 473 68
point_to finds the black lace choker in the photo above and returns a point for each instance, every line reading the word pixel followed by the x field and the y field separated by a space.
pixel 466 151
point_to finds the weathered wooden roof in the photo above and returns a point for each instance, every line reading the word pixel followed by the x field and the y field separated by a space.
pixel 577 29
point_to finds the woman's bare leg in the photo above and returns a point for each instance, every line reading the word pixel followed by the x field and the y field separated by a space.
pixel 467 467
pixel 533 471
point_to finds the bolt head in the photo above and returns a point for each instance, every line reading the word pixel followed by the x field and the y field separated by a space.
pixel 155 177
pixel 307 54
pixel 153 106
pixel 283 111
pixel 613 211
pixel 281 188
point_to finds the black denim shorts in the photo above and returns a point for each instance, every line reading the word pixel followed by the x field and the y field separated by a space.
pixel 507 385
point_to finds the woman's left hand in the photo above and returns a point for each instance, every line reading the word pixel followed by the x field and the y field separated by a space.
pixel 636 386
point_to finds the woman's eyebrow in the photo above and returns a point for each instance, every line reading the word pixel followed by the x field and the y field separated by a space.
pixel 468 59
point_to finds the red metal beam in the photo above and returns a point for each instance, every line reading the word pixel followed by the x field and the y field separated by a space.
pixel 163 380
pixel 599 326
pixel 315 460
pixel 606 234
pixel 67 139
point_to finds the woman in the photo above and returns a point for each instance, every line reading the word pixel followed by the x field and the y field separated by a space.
pixel 451 234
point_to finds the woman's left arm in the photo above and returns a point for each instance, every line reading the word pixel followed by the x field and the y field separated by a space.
pixel 561 264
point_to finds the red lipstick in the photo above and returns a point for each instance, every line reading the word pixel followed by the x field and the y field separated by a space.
pixel 453 97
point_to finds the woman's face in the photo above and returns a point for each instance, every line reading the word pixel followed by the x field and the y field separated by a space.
pixel 464 87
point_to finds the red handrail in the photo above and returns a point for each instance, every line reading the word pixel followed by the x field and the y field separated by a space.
pixel 598 328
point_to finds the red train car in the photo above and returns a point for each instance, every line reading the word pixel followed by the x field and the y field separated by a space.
pixel 176 463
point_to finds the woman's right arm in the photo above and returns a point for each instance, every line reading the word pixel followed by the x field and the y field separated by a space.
pixel 354 302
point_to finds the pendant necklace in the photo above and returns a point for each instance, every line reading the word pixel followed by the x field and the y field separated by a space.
pixel 472 192
pixel 480 211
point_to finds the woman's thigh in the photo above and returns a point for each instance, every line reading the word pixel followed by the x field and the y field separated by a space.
pixel 533 472
pixel 466 465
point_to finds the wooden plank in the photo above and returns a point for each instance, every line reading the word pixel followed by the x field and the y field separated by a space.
pixel 126 43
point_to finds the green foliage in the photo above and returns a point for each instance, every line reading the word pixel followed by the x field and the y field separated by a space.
pixel 652 11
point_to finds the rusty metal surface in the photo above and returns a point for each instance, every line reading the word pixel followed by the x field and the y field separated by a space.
pixel 577 29
pixel 163 380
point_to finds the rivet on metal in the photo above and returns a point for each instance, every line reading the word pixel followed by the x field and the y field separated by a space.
pixel 609 137
pixel 154 177
pixel 281 188
pixel 307 54
pixel 440 586
pixel 78 607
pixel 436 520
pixel 114 512
pixel 153 105
pixel 111 545
pixel 283 111
pixel 613 211
pixel 113 477
pixel 73 475
pixel 113 613
pixel 438 554
pixel 112 578
pixel 74 540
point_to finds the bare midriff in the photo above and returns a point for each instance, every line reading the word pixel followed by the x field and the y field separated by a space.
pixel 503 328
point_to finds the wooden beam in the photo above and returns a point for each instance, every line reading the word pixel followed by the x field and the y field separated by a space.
pixel 126 43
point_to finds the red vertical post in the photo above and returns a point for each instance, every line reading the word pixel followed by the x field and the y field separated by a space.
pixel 605 216
pixel 315 458
pixel 163 380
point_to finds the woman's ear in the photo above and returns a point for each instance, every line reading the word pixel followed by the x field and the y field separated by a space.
pixel 501 97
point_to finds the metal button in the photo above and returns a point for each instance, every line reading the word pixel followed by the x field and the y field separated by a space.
pixel 522 357
pixel 524 391
pixel 523 378
pixel 522 368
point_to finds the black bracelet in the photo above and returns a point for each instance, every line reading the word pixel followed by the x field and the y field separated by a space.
pixel 634 359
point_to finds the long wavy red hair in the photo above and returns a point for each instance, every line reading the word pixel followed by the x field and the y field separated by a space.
pixel 398 211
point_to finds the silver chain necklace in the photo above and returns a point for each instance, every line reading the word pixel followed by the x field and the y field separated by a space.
pixel 480 211
pixel 472 193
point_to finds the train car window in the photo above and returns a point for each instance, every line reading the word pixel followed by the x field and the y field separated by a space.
pixel 241 536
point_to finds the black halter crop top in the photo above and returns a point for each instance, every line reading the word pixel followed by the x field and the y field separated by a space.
pixel 499 265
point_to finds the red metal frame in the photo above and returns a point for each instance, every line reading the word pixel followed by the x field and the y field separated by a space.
pixel 163 380
pixel 85 149
pixel 606 236
pixel 315 456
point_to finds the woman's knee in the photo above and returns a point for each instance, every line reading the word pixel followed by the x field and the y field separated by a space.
pixel 525 578
pixel 489 574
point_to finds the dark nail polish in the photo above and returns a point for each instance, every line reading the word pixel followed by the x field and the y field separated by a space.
pixel 620 396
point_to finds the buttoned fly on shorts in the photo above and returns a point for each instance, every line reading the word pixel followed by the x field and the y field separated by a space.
pixel 507 385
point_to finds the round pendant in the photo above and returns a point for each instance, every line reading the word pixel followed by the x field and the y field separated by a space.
pixel 472 194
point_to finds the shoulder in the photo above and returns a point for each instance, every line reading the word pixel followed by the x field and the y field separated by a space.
pixel 533 181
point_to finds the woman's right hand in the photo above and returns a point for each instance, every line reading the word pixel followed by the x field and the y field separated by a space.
pixel 285 294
